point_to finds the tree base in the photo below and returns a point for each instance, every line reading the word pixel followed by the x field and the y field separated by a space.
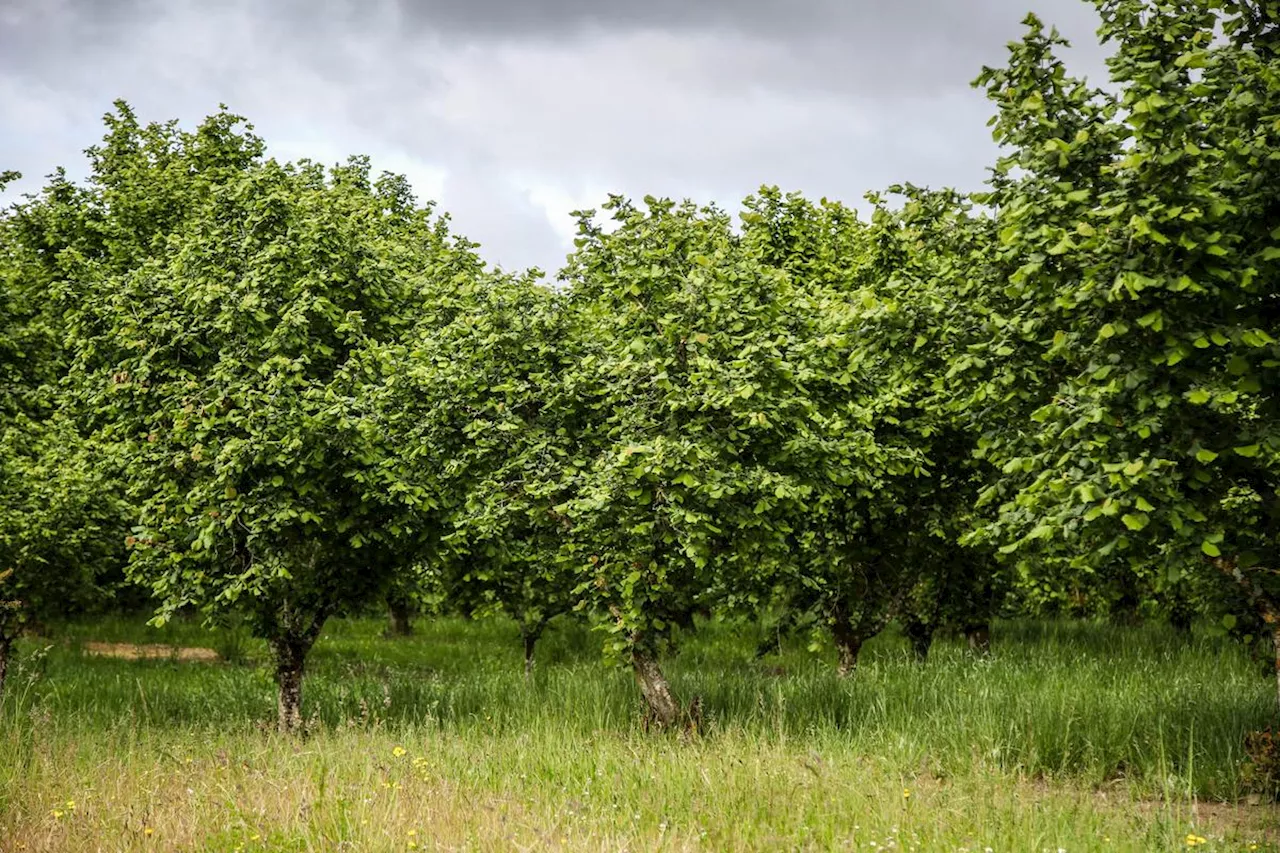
pixel 661 708
pixel 979 638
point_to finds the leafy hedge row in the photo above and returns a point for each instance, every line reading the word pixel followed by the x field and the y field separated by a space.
pixel 288 390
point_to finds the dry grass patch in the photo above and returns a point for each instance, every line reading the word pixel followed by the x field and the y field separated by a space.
pixel 150 651
pixel 374 790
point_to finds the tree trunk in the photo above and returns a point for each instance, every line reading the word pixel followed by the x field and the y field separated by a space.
pixel 849 649
pixel 399 613
pixel 848 644
pixel 979 637
pixel 530 643
pixel 1275 641
pixel 290 658
pixel 920 635
pixel 1181 621
pixel 1127 609
pixel 1266 606
pixel 6 648
pixel 661 706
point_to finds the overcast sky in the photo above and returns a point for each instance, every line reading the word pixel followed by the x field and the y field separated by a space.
pixel 511 113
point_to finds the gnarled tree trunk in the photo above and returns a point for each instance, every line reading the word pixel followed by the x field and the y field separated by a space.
pixel 848 638
pixel 920 635
pixel 530 642
pixel 1275 642
pixel 399 613
pixel 1127 609
pixel 661 705
pixel 848 643
pixel 290 649
pixel 290 659
pixel 848 647
pixel 849 651
pixel 979 637
pixel 1181 622
pixel 530 638
pixel 6 650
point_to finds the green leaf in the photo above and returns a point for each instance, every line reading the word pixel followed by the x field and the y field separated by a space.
pixel 1136 521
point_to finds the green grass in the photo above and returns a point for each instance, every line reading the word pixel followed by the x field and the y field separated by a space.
pixel 1071 735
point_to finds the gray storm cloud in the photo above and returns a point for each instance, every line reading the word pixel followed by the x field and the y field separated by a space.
pixel 513 112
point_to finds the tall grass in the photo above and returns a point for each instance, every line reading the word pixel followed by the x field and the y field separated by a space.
pixel 1061 713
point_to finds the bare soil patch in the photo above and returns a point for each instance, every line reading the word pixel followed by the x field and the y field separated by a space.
pixel 1255 818
pixel 151 651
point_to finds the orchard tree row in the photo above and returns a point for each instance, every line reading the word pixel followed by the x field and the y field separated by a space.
pixel 282 391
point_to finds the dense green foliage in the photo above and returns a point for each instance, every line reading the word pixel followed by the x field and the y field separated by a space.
pixel 61 524
pixel 1136 319
pixel 299 393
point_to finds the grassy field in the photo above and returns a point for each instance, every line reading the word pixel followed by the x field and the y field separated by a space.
pixel 1070 737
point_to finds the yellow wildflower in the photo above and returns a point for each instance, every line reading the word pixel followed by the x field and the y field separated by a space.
pixel 399 751
pixel 57 813
pixel 148 831
pixel 1193 839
